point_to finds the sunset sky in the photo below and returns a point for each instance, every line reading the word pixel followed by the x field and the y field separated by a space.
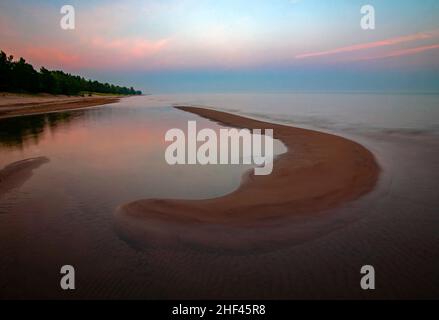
pixel 232 45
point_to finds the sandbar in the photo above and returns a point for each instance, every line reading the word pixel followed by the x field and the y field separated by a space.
pixel 319 171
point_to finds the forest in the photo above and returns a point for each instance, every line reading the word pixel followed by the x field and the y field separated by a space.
pixel 20 76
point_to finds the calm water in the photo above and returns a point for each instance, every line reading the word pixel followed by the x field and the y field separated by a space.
pixel 103 157
pixel 391 112
pixel 117 151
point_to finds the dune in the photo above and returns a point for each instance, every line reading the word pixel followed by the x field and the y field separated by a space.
pixel 319 172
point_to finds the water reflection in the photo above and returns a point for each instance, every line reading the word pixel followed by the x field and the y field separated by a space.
pixel 103 157
pixel 18 132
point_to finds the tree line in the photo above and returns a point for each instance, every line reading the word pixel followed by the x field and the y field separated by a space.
pixel 20 76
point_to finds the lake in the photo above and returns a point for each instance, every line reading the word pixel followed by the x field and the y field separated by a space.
pixel 100 158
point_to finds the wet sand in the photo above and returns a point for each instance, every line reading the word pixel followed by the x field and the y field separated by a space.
pixel 16 174
pixel 318 172
pixel 12 105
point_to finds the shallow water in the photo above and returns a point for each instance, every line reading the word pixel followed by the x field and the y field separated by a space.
pixel 103 157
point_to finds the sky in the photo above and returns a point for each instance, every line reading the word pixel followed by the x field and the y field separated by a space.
pixel 232 45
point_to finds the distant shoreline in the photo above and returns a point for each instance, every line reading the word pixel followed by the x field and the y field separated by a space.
pixel 319 171
pixel 15 105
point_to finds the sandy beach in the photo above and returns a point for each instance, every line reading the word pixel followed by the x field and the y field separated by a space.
pixel 12 105
pixel 318 172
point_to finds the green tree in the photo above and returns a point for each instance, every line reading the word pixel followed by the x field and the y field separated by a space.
pixel 21 76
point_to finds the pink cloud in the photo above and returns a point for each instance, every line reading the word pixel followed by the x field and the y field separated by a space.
pixel 96 52
pixel 133 48
pixel 403 52
pixel 370 45
pixel 44 56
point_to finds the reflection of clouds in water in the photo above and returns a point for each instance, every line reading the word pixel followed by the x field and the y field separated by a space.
pixel 117 150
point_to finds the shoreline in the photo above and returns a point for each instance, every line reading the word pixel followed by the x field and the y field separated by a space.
pixel 318 172
pixel 15 105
